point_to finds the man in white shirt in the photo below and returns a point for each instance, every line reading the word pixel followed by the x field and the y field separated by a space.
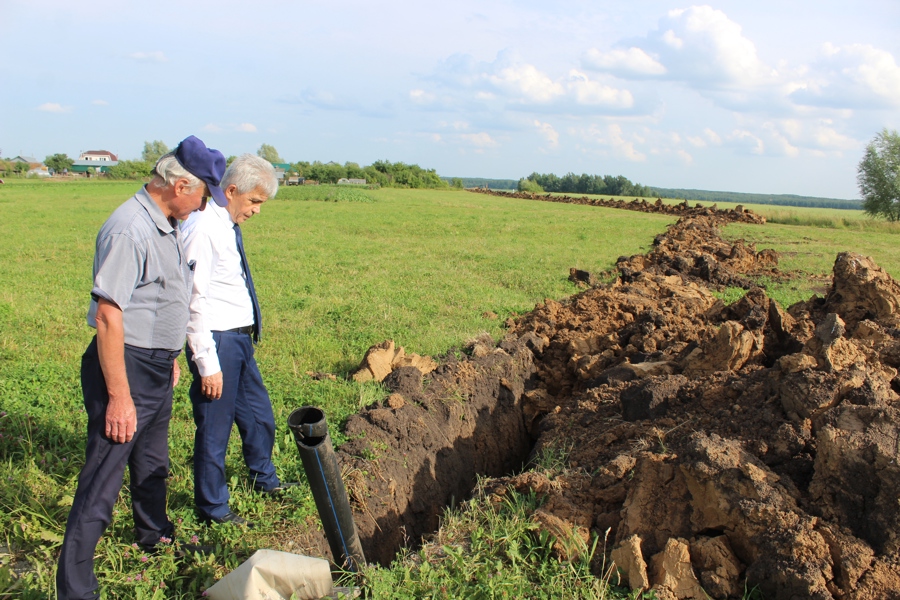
pixel 224 325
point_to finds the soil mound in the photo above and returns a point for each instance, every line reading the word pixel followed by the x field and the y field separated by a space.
pixel 713 445
pixel 736 214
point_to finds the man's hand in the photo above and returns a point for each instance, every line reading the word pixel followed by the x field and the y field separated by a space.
pixel 176 372
pixel 211 386
pixel 121 419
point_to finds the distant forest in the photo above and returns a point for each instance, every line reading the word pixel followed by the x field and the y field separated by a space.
pixel 742 198
pixel 494 184
pixel 621 186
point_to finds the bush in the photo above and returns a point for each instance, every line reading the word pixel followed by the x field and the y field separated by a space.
pixel 130 169
pixel 528 185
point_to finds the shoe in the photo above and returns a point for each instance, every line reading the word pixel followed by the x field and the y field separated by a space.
pixel 229 517
pixel 181 549
pixel 186 550
pixel 279 489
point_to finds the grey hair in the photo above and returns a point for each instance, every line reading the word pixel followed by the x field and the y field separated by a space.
pixel 248 173
pixel 168 170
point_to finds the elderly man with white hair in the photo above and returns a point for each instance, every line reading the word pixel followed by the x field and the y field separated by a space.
pixel 225 324
pixel 139 307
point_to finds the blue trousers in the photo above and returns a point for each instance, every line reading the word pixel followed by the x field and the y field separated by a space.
pixel 244 402
pixel 149 375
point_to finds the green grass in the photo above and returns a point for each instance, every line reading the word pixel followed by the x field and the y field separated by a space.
pixel 335 274
pixel 493 550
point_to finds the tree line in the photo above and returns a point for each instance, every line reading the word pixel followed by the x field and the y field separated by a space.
pixel 381 172
pixel 570 183
pixel 747 198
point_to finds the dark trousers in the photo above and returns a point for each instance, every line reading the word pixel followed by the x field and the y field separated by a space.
pixel 147 457
pixel 244 402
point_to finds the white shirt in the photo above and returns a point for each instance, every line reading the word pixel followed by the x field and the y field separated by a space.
pixel 220 299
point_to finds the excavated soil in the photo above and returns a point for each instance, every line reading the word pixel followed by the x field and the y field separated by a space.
pixel 737 214
pixel 714 447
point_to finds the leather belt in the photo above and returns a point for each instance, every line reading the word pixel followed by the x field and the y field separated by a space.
pixel 246 329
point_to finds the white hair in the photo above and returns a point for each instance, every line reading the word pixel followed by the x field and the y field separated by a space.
pixel 249 173
pixel 168 170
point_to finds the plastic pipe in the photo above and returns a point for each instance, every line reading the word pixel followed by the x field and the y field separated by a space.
pixel 324 474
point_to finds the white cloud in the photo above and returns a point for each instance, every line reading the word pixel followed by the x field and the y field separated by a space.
pixel 632 62
pixel 480 140
pixel 592 93
pixel 712 137
pixel 685 156
pixel 421 96
pixel 231 127
pixel 699 46
pixel 54 107
pixel 697 142
pixel 548 132
pixel 746 140
pixel 614 140
pixel 852 76
pixel 156 56
pixel 528 83
pixel 510 83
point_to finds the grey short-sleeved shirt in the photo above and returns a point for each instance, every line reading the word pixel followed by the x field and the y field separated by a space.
pixel 140 266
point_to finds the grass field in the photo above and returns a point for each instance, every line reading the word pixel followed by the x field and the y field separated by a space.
pixel 335 274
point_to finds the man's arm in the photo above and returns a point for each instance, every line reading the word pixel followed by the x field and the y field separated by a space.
pixel 121 417
pixel 199 248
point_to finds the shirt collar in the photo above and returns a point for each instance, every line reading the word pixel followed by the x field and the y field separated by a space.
pixel 221 212
pixel 156 213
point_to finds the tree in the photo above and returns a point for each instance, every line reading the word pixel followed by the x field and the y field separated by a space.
pixel 530 185
pixel 59 162
pixel 153 150
pixel 878 176
pixel 269 153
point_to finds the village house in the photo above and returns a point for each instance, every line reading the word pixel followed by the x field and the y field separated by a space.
pixel 98 156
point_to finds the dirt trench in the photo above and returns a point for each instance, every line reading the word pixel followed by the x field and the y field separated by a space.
pixel 714 446
pixel 683 209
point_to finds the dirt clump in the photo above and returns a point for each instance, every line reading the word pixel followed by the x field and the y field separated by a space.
pixel 759 444
pixel 713 446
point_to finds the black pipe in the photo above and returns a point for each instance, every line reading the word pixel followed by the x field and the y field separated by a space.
pixel 324 475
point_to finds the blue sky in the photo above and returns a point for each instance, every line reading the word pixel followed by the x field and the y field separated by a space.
pixel 764 96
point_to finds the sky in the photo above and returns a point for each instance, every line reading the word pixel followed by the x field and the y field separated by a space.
pixel 769 96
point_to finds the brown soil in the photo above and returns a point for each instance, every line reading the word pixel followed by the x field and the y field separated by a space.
pixel 714 445
pixel 738 213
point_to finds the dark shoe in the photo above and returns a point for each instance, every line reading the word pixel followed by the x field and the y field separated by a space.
pixel 186 550
pixel 278 489
pixel 229 517
pixel 181 549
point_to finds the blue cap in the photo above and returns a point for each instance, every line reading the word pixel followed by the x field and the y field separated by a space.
pixel 204 163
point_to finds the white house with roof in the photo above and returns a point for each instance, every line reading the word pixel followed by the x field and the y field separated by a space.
pixel 98 156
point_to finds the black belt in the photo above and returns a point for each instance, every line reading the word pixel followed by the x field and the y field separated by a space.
pixel 155 352
pixel 246 329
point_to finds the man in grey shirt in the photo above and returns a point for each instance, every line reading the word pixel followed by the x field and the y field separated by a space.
pixel 139 307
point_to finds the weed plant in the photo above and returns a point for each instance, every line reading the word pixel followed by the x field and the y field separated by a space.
pixel 493 549
pixel 427 269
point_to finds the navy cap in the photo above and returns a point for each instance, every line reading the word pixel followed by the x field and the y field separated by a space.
pixel 204 163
